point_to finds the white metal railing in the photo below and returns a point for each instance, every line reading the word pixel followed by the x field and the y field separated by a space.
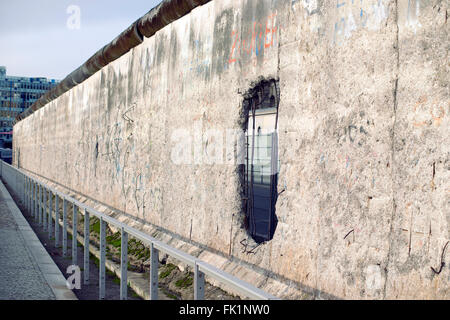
pixel 34 194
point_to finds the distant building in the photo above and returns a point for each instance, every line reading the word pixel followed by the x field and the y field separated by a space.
pixel 6 155
pixel 16 95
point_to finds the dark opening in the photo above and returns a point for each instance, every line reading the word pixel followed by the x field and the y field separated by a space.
pixel 261 162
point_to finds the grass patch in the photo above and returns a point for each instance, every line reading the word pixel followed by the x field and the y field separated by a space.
pixel 186 282
pixel 172 296
pixel 169 294
pixel 114 240
pixel 116 243
pixel 168 268
pixel 135 295
pixel 95 227
pixel 144 254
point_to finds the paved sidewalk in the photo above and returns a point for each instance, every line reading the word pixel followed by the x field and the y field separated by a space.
pixel 27 271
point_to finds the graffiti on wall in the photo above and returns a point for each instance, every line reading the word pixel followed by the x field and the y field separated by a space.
pixel 427 113
pixel 354 14
pixel 262 36
pixel 412 15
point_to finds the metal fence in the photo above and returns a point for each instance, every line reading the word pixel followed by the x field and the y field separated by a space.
pixel 37 198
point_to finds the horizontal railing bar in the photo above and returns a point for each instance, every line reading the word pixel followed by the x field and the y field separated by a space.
pixel 208 269
pixel 180 255
pixel 236 283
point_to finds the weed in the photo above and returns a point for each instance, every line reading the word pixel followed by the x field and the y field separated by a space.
pixel 171 296
pixel 95 225
pixel 185 282
pixel 167 271
pixel 135 295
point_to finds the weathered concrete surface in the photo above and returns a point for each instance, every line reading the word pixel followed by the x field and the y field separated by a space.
pixel 363 142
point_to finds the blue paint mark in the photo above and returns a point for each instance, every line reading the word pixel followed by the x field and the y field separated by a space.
pixel 335 31
pixel 363 16
pixel 263 39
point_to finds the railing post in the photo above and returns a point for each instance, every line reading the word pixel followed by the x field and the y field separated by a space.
pixel 31 199
pixel 199 283
pixel 86 247
pixel 74 234
pixel 28 194
pixel 18 185
pixel 22 189
pixel 154 272
pixel 30 202
pixel 40 205
pixel 123 264
pixel 44 209
pixel 25 192
pixel 56 220
pixel 50 214
pixel 102 259
pixel 36 200
pixel 64 227
pixel 31 196
pixel 35 211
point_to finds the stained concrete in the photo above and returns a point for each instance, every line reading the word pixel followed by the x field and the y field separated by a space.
pixel 363 142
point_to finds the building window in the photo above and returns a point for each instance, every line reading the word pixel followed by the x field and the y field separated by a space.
pixel 261 162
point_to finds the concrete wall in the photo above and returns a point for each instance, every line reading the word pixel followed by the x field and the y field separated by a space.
pixel 363 142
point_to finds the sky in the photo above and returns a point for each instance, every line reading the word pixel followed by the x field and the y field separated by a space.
pixel 51 38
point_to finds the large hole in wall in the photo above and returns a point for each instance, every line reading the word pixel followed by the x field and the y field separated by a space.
pixel 261 163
